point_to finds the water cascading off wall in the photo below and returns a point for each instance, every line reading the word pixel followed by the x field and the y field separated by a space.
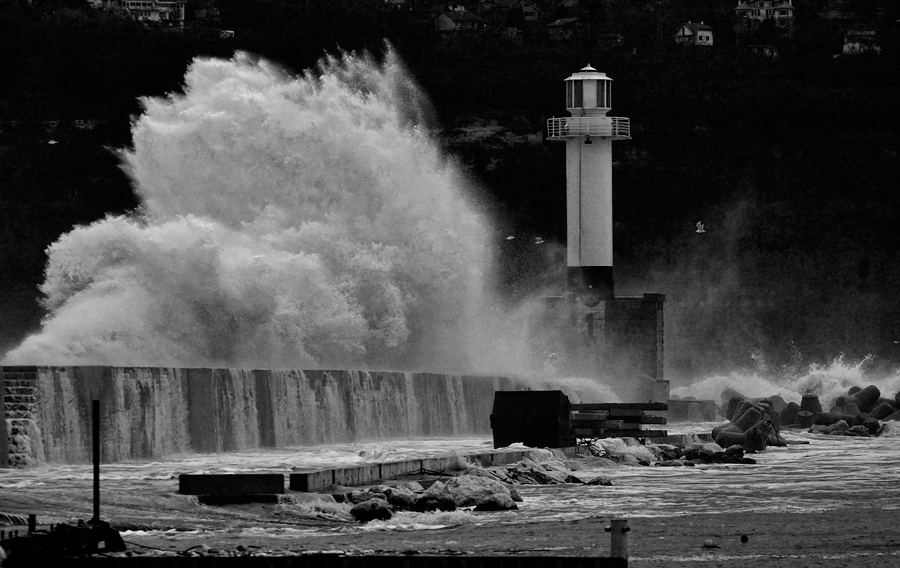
pixel 154 412
pixel 286 222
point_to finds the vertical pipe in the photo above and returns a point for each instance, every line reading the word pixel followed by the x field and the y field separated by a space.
pixel 95 417
pixel 618 538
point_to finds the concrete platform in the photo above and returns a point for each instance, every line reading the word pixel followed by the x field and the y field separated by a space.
pixel 231 484
pixel 314 481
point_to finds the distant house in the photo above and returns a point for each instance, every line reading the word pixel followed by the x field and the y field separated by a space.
pixel 857 42
pixel 694 34
pixel 168 11
pixel 530 12
pixel 456 21
pixel 779 11
pixel 205 10
pixel 564 29
pixel 396 6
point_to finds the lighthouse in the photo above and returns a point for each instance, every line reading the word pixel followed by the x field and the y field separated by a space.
pixel 594 331
pixel 589 134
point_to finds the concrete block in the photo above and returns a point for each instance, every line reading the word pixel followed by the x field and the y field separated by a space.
pixel 231 484
pixel 311 481
pixel 484 460
pixel 393 470
pixel 356 476
pixel 451 463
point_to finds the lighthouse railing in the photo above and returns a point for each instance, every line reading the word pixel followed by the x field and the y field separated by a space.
pixel 617 127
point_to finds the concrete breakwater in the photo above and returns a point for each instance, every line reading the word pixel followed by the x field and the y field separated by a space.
pixel 154 412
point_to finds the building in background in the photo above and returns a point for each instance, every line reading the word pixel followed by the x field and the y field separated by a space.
pixel 694 34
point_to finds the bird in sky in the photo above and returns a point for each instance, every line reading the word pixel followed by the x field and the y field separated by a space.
pixel 700 228
pixel 509 238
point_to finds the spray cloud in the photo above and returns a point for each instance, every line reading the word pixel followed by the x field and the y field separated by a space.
pixel 286 221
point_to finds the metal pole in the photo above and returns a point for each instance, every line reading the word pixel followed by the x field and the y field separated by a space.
pixel 96 450
pixel 618 538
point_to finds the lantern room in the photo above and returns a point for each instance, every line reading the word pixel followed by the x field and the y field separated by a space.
pixel 588 93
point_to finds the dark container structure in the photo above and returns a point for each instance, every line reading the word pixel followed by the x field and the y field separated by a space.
pixel 540 419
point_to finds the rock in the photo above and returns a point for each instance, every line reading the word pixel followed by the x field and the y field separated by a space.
pixel 573 479
pixel 496 502
pixel 727 436
pixel 851 408
pixel 778 403
pixel 805 419
pixel 789 413
pixel 854 390
pixel 838 428
pixel 882 411
pixel 401 497
pixel 828 418
pixel 600 480
pixel 735 451
pixel 893 417
pixel 435 491
pixel 468 490
pixel 441 503
pixel 728 393
pixel 872 425
pixel 414 486
pixel 371 510
pixel 733 404
pixel 749 418
pixel 363 495
pixel 756 439
pixel 810 403
pixel 867 398
pixel 515 495
pixel 858 431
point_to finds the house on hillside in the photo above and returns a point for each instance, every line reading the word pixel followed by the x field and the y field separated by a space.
pixel 857 42
pixel 168 12
pixel 694 34
pixel 205 10
pixel 457 21
pixel 565 29
pixel 781 12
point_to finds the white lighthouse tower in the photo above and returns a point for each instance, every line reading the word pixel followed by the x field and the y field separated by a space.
pixel 588 135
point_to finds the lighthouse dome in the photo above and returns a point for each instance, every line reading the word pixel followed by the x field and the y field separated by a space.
pixel 588 93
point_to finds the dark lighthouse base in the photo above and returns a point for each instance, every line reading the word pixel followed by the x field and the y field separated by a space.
pixel 592 284
pixel 620 341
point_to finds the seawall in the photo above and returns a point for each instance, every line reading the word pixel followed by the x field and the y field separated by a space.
pixel 153 412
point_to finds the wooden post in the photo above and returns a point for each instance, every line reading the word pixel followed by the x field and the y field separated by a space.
pixel 32 523
pixel 618 538
pixel 95 412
